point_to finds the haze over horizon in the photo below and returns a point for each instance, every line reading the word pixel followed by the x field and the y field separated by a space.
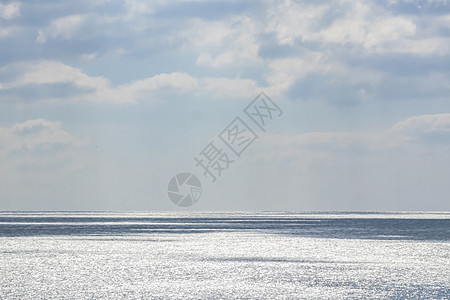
pixel 103 102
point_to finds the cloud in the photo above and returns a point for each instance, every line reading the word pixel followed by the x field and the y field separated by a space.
pixel 173 80
pixel 419 7
pixel 329 49
pixel 93 89
pixel 223 87
pixel 8 31
pixel 429 130
pixel 224 43
pixel 56 72
pixel 37 145
pixel 286 71
pixel 49 79
pixel 29 82
pixel 424 124
pixel 136 8
pixel 64 27
pixel 414 132
pixel 10 11
pixel 295 20
pixel 402 167
pixel 344 88
pixel 149 90
pixel 205 9
pixel 352 24
pixel 363 26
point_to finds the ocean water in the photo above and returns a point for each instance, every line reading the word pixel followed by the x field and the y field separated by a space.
pixel 239 255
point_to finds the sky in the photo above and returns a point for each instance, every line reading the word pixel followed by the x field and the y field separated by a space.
pixel 102 102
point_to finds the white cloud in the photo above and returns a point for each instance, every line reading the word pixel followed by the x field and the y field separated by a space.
pixel 208 34
pixel 285 71
pixel 64 27
pixel 222 59
pixel 135 8
pixel 396 168
pixel 224 43
pixel 291 20
pixel 368 26
pixel 146 89
pixel 320 145
pixel 10 11
pixel 8 31
pixel 174 80
pixel 89 56
pixel 55 72
pixel 364 24
pixel 424 46
pixel 223 87
pixel 152 88
pixel 39 144
pixel 99 89
pixel 418 126
pixel 234 42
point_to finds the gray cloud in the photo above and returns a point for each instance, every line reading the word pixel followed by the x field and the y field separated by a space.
pixel 36 92
pixel 419 7
pixel 207 10
pixel 333 89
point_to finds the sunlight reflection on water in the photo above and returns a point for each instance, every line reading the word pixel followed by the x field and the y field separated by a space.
pixel 224 255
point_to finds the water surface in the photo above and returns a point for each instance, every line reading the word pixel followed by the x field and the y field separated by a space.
pixel 239 255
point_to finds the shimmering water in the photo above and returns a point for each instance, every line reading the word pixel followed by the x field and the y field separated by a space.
pixel 224 255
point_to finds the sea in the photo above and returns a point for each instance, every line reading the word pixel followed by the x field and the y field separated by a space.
pixel 224 255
